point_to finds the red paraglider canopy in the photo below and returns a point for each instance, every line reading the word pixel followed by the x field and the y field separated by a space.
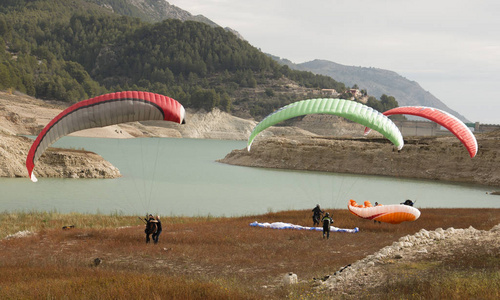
pixel 104 110
pixel 448 121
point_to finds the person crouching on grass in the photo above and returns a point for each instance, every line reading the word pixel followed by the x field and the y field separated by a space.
pixel 327 221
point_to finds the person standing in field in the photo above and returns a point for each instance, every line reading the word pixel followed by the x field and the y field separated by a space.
pixel 327 221
pixel 151 227
pixel 156 235
pixel 316 215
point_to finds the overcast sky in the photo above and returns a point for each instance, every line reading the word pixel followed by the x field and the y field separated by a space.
pixel 450 47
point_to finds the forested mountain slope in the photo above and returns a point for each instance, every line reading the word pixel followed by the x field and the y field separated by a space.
pixel 72 50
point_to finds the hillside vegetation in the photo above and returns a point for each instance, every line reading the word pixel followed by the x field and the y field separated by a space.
pixel 72 50
pixel 151 10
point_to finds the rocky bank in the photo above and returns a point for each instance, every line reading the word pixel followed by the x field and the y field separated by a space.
pixel 26 116
pixel 54 163
pixel 435 158
pixel 375 270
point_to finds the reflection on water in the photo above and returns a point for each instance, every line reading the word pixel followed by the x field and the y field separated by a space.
pixel 180 177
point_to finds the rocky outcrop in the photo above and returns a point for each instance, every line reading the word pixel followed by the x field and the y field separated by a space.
pixel 74 164
pixel 436 158
pixel 371 271
pixel 22 115
pixel 53 163
pixel 217 125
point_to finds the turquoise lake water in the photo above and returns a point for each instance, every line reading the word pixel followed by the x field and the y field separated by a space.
pixel 170 176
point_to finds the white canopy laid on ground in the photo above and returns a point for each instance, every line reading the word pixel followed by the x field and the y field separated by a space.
pixel 281 225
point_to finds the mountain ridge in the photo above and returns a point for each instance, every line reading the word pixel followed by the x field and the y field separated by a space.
pixel 79 49
pixel 156 11
pixel 376 81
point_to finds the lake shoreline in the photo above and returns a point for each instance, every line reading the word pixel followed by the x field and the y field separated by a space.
pixel 431 158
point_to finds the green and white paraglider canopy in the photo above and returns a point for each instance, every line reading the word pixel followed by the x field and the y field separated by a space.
pixel 348 109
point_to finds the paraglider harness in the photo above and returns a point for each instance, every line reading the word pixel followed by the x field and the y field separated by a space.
pixel 147 221
pixel 327 221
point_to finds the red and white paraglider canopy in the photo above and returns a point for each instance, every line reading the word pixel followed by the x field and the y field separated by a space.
pixel 104 110
pixel 448 121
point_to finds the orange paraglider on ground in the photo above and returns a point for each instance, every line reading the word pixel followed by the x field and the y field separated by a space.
pixel 394 213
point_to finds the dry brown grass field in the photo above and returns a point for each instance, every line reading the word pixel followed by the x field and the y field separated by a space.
pixel 224 258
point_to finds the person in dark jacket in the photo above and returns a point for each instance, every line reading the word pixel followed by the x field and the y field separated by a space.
pixel 316 215
pixel 158 230
pixel 327 221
